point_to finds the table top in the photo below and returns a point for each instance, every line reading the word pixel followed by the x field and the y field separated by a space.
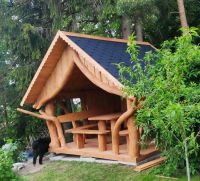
pixel 105 117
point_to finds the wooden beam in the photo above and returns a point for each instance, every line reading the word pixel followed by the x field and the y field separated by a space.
pixel 78 116
pixel 40 116
pixel 102 38
pixel 134 138
pixel 150 164
pixel 39 70
pixel 106 117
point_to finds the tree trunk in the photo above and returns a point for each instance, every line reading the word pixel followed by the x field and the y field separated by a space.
pixel 182 14
pixel 187 160
pixel 126 27
pixel 138 27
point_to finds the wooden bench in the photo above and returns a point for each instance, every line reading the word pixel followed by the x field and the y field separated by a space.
pixel 80 128
pixel 80 131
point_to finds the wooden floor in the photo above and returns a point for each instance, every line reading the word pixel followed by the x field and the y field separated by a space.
pixel 91 150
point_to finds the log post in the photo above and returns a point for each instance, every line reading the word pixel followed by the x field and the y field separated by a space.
pixel 134 147
pixel 117 127
pixel 61 137
pixel 102 138
pixel 49 109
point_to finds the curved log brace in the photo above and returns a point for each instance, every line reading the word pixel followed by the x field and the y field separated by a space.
pixel 42 114
pixel 49 109
pixel 53 124
pixel 132 106
pixel 116 129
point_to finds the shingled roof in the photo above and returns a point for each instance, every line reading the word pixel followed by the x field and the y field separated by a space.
pixel 108 53
pixel 96 55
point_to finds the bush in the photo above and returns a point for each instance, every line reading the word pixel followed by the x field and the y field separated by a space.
pixel 171 110
pixel 6 163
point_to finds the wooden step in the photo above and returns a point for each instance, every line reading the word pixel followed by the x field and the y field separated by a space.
pixel 150 164
pixel 88 131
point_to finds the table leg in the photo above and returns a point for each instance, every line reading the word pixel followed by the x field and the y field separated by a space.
pixel 80 140
pixel 102 137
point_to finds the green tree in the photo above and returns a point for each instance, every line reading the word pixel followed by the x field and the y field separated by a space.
pixel 172 107
pixel 136 10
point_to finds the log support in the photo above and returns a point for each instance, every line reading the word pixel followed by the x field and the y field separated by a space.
pixel 49 109
pixel 80 140
pixel 102 137
pixel 133 134
pixel 133 145
pixel 55 128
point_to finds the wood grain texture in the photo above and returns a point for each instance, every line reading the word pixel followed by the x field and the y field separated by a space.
pixel 88 131
pixel 91 150
pixel 81 127
pixel 49 109
pixel 49 61
pixel 57 79
pixel 76 116
pixel 102 137
pixel 150 164
pixel 134 144
pixel 117 127
pixel 106 117
pixel 40 116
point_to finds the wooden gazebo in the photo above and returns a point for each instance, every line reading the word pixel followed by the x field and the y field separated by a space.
pixel 82 66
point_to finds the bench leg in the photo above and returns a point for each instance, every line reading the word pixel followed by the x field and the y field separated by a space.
pixel 80 140
pixel 127 142
pixel 102 138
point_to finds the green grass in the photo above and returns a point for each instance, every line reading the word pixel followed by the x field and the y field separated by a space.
pixel 81 171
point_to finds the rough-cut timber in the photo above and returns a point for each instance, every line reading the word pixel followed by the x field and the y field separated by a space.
pixel 150 164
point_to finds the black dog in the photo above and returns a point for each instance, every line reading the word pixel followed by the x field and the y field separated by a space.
pixel 2 142
pixel 40 147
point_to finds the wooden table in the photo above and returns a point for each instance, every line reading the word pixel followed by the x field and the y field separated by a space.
pixel 102 126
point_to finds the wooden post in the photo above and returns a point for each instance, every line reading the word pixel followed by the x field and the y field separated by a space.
pixel 61 137
pixel 112 123
pixel 49 109
pixel 102 137
pixel 134 147
pixel 80 140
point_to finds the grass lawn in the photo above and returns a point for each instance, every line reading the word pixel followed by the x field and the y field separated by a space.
pixel 82 171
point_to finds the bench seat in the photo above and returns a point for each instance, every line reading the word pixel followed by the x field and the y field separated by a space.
pixel 87 131
pixel 81 127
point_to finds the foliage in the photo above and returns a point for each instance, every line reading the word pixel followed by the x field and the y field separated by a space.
pixel 6 163
pixel 169 79
pixel 24 38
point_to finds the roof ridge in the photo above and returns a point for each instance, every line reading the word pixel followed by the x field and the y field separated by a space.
pixel 96 37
